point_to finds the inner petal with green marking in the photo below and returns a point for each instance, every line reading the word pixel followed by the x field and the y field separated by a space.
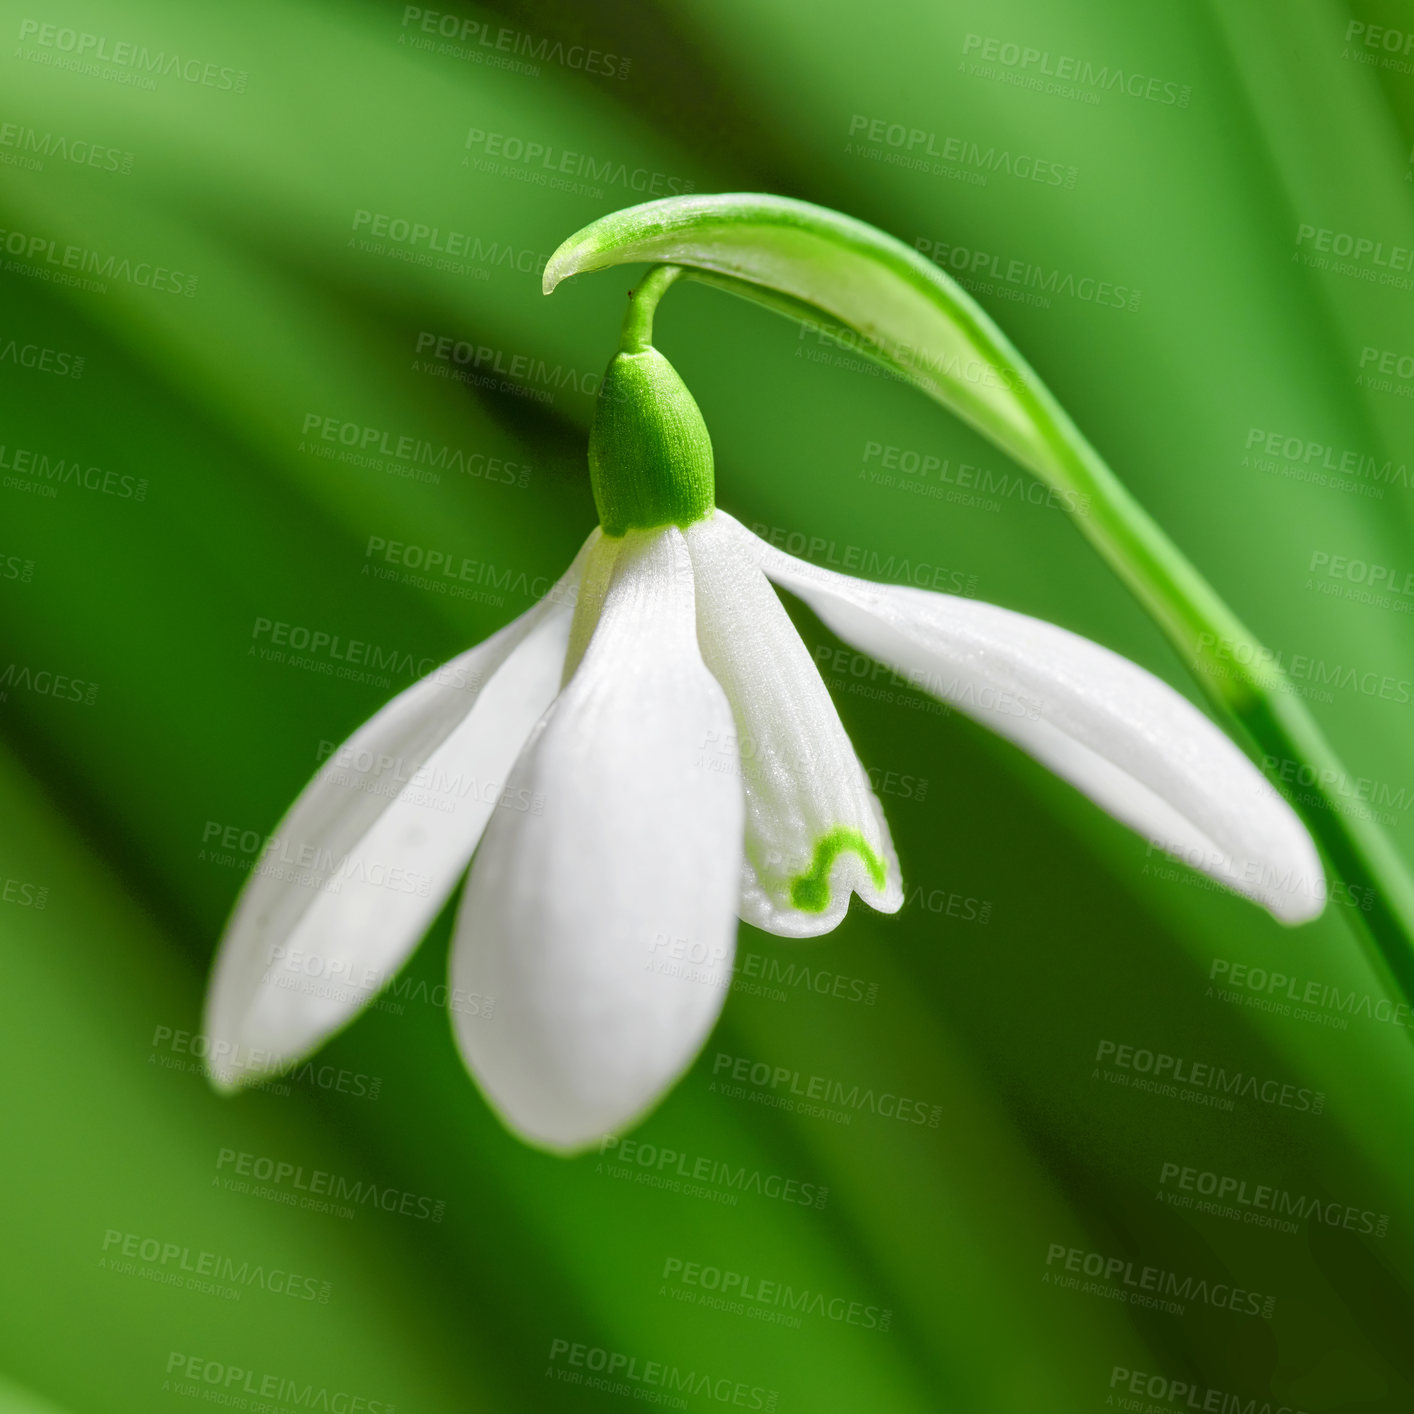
pixel 810 891
pixel 815 835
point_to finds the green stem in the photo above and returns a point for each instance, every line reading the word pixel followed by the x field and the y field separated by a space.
pixel 636 335
pixel 1375 882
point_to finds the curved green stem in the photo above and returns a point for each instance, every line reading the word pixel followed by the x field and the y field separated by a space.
pixel 636 334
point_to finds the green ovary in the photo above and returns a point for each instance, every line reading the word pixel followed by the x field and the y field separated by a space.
pixel 810 892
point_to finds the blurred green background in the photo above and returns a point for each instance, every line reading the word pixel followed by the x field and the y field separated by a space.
pixel 218 261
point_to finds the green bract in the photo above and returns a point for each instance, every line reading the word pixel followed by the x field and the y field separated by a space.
pixel 650 457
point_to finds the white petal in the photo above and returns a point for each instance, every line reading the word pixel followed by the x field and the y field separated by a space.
pixel 814 830
pixel 1126 739
pixel 604 928
pixel 369 852
pixel 596 572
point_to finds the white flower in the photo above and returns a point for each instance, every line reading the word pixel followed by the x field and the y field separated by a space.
pixel 641 758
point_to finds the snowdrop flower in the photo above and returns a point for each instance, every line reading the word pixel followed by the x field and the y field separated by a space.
pixel 648 754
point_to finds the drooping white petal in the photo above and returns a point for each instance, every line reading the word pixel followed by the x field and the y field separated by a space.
pixel 367 855
pixel 604 927
pixel 814 829
pixel 1126 739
